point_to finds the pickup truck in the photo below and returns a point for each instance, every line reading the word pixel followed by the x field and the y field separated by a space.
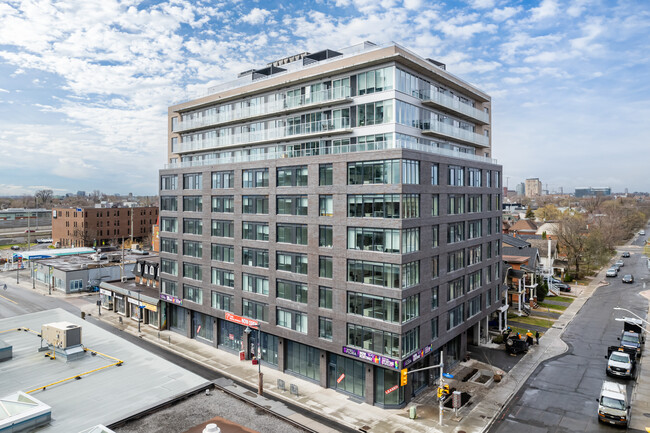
pixel 621 362
pixel 613 407
pixel 632 336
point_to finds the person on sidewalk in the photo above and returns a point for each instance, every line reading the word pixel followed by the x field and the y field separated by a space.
pixel 529 338
pixel 537 337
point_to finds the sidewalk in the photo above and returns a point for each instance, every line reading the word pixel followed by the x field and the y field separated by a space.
pixel 487 399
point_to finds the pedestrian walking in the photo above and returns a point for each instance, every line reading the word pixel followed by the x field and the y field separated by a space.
pixel 529 338
pixel 537 336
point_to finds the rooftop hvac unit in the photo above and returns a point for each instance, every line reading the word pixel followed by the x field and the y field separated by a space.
pixel 61 335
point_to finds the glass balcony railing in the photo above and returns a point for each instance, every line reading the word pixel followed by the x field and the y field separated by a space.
pixel 298 130
pixel 442 100
pixel 445 130
pixel 289 103
pixel 333 150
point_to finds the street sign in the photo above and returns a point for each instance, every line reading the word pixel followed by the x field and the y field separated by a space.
pixel 341 377
pixel 448 375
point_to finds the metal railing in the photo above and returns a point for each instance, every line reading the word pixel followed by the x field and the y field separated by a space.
pixel 455 132
pixel 333 150
pixel 452 103
pixel 321 126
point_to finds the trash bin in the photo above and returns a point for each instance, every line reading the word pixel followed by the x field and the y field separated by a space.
pixel 412 412
pixel 242 355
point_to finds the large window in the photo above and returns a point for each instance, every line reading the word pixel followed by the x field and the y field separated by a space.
pixel 325 205
pixel 224 229
pixel 474 177
pixel 193 226
pixel 456 176
pixel 374 340
pixel 325 237
pixel 435 174
pixel 192 181
pixel 193 203
pixel 435 267
pixel 373 172
pixel 223 277
pixel 255 231
pixel 456 261
pixel 255 310
pixel 378 80
pixel 376 307
pixel 325 297
pixel 291 205
pixel 292 176
pixel 255 284
pixel 455 232
pixel 223 203
pixel 193 249
pixel 455 317
pixel 255 178
pixel 474 203
pixel 294 320
pixel 434 328
pixel 169 245
pixel 255 204
pixel 325 266
pixel 410 308
pixel 192 293
pixel 292 262
pixel 325 174
pixel 379 274
pixel 434 298
pixel 456 289
pixel 410 341
pixel 474 229
pixel 169 182
pixel 435 236
pixel 221 301
pixel 435 205
pixel 169 224
pixel 169 267
pixel 169 203
pixel 325 328
pixel 169 287
pixel 292 233
pixel 255 257
pixel 474 306
pixel 223 179
pixel 410 205
pixel 223 253
pixel 370 239
pixel 456 204
pixel 374 205
pixel 303 360
pixel 474 255
pixel 192 271
pixel 410 172
pixel 410 274
pixel 474 280
pixel 292 291
pixel 374 113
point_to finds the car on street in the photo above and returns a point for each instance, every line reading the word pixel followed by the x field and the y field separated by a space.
pixel 620 263
pixel 30 231
pixel 625 254
pixel 15 247
pixel 611 272
pixel 628 278
pixel 616 266
pixel 642 232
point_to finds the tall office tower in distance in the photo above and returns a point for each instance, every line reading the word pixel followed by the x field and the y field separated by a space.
pixel 345 201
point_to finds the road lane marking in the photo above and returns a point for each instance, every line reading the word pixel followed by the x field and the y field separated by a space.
pixel 9 300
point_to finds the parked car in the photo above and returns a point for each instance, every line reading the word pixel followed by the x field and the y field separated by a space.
pixel 642 232
pixel 15 247
pixel 611 272
pixel 628 278
pixel 616 266
pixel 558 284
pixel 620 263
pixel 30 231
pixel 625 254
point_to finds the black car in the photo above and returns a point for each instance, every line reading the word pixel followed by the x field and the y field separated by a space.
pixel 625 254
pixel 562 287
pixel 628 279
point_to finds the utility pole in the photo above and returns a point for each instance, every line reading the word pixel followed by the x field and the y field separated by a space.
pixel 131 227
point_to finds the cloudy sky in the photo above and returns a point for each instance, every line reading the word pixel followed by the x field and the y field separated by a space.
pixel 85 84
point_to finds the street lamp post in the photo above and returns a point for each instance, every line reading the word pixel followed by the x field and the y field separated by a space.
pixel 628 311
pixel 260 376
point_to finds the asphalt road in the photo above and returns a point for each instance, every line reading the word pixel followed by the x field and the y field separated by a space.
pixel 560 396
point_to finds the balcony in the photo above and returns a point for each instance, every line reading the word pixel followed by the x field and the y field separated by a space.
pixel 285 106
pixel 446 131
pixel 435 99
pixel 333 150
pixel 292 132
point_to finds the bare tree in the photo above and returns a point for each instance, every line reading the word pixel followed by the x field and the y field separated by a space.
pixel 572 238
pixel 44 196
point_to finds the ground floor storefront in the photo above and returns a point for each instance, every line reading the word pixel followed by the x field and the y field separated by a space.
pixel 362 375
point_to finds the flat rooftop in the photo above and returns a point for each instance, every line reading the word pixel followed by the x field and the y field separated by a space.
pixel 85 261
pixel 102 397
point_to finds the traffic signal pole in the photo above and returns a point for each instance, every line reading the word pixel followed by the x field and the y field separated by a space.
pixel 442 389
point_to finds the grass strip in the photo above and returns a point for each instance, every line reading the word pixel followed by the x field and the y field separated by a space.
pixel 552 306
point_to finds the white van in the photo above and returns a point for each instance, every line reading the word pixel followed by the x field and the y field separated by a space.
pixel 612 404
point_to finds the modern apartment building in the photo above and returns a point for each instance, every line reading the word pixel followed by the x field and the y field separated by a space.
pixel 346 202
pixel 533 187
pixel 90 226
pixel 592 192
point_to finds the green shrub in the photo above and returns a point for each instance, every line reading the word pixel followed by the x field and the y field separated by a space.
pixel 498 339
pixel 568 278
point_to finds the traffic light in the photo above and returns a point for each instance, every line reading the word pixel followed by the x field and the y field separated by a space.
pixel 403 377
pixel 443 390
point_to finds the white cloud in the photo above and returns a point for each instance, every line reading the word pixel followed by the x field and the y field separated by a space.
pixel 546 9
pixel 504 13
pixel 256 16
pixel 482 4
pixel 413 4
pixel 3 90
pixel 466 31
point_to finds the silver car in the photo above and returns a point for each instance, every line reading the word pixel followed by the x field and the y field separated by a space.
pixel 612 272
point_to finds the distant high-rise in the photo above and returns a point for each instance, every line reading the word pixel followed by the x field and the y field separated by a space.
pixel 533 187
pixel 592 192
pixel 520 189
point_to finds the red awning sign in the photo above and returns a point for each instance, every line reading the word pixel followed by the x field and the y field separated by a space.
pixel 241 320
pixel 341 377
